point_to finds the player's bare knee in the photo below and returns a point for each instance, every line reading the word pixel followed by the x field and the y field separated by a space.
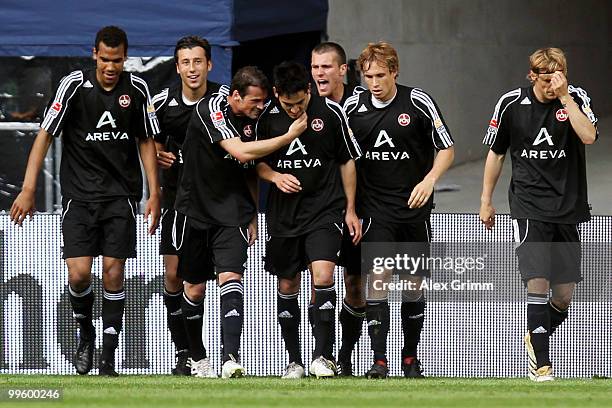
pixel 561 300
pixel 354 294
pixel 195 292
pixel 173 283
pixel 415 295
pixel 289 286
pixel 224 277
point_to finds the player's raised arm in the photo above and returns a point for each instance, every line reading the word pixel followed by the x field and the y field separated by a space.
pixel 245 152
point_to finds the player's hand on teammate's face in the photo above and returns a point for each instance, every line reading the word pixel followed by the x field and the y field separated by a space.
pixel 287 183
pixel 165 160
pixel 421 193
pixel 487 215
pixel 299 125
pixel 22 207
pixel 253 230
pixel 558 84
pixel 354 226
pixel 153 210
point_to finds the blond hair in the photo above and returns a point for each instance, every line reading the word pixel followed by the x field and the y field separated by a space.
pixel 382 53
pixel 547 61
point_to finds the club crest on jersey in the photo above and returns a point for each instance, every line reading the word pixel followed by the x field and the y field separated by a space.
pixel 317 125
pixel 218 119
pixel 248 131
pixel 124 101
pixel 561 115
pixel 403 119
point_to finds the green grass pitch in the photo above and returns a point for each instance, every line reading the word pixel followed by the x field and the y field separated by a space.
pixel 168 391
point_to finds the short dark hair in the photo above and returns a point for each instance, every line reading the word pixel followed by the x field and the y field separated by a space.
pixel 111 36
pixel 290 78
pixel 192 41
pixel 248 76
pixel 331 47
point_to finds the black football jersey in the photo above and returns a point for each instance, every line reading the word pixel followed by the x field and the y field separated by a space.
pixel 173 115
pixel 314 159
pixel 398 142
pixel 348 92
pixel 99 135
pixel 212 188
pixel 548 158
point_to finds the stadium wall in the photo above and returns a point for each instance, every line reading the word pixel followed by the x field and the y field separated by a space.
pixel 466 54
pixel 468 335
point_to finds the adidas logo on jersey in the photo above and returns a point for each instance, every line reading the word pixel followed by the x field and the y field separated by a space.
pixel 173 102
pixel 193 317
pixel 232 313
pixel 87 84
pixel 176 313
pixel 539 330
pixel 285 315
pixel 362 108
pixel 275 110
pixel 110 330
pixel 327 306
pixel 526 101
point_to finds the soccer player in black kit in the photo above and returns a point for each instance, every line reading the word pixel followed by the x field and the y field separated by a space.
pixel 174 106
pixel 313 184
pixel 399 130
pixel 545 126
pixel 105 117
pixel 216 199
pixel 328 68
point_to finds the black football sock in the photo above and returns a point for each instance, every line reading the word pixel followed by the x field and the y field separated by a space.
pixel 193 313
pixel 82 308
pixel 311 316
pixel 557 316
pixel 289 320
pixel 351 319
pixel 174 313
pixel 378 317
pixel 113 305
pixel 232 318
pixel 538 323
pixel 324 314
pixel 413 316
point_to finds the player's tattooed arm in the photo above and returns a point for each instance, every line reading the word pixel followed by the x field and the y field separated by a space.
pixel 285 182
pixel 147 150
pixel 422 192
pixel 579 121
pixel 24 203
pixel 348 173
pixel 492 170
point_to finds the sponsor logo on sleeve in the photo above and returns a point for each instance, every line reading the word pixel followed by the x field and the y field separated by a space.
pixel 218 119
pixel 403 119
pixel 56 108
pixel 151 111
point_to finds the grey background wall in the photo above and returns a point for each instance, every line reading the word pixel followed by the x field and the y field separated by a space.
pixel 467 53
